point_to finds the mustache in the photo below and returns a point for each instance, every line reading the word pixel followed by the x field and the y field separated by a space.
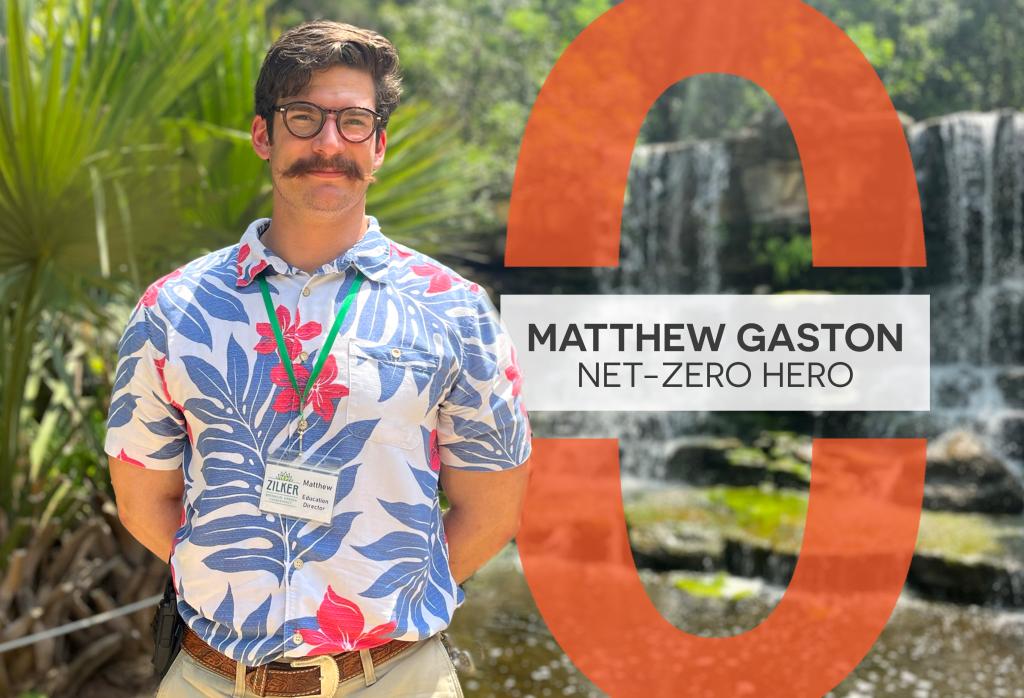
pixel 339 163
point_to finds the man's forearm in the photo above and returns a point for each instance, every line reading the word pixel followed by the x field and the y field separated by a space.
pixel 472 541
pixel 153 524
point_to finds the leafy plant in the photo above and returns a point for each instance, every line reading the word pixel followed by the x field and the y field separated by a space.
pixel 81 86
pixel 787 253
pixel 485 62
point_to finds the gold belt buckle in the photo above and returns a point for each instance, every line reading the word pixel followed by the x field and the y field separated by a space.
pixel 330 677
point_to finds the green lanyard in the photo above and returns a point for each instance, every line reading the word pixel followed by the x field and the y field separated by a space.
pixel 282 349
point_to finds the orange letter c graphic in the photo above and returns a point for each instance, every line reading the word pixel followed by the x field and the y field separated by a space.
pixel 865 494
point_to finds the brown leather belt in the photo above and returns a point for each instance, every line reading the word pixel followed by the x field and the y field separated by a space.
pixel 281 679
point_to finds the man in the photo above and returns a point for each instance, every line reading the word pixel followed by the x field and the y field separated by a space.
pixel 285 408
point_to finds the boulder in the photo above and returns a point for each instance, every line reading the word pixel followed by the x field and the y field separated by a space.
pixel 961 581
pixel 1010 437
pixel 785 444
pixel 676 545
pixel 959 557
pixel 701 460
pixel 962 475
pixel 705 461
pixel 1011 387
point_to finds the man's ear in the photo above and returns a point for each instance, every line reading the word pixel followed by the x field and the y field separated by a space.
pixel 381 146
pixel 260 137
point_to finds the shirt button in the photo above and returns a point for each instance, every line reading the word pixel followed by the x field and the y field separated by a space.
pixel 303 356
pixel 298 563
pixel 396 352
pixel 305 291
pixel 297 638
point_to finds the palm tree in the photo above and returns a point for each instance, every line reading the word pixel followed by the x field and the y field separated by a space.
pixel 82 85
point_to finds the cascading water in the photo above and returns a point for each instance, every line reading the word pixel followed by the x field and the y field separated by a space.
pixel 971 174
pixel 692 208
pixel 671 239
pixel 672 220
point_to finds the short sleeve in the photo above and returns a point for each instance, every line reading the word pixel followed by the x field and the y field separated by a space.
pixel 144 425
pixel 482 424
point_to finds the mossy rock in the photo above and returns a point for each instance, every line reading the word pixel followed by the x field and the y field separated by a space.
pixel 669 504
pixel 963 475
pixel 765 516
pixel 676 545
pixel 792 466
pixel 785 444
pixel 707 462
pixel 700 460
pixel 964 537
pixel 968 558
pixel 716 586
pixel 747 456
pixel 774 518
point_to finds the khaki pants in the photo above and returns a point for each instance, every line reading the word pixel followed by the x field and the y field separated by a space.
pixel 424 671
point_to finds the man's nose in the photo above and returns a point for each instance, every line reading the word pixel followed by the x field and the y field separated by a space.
pixel 329 141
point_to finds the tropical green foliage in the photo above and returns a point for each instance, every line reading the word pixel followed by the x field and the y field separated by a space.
pixel 73 111
pixel 786 254
pixel 940 56
pixel 62 424
pixel 486 61
pixel 934 57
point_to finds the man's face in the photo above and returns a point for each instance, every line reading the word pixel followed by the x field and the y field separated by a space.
pixel 324 175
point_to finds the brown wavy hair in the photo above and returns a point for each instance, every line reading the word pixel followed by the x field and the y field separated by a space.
pixel 315 46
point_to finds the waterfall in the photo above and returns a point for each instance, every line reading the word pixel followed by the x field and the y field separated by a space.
pixel 971 172
pixel 671 221
pixel 690 214
pixel 672 237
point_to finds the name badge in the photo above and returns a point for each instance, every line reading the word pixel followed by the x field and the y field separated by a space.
pixel 298 492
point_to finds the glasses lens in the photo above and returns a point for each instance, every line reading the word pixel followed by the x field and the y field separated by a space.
pixel 356 123
pixel 303 120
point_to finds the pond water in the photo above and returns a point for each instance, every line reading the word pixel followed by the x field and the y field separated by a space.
pixel 927 649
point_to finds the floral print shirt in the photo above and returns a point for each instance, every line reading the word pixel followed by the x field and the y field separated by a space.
pixel 421 373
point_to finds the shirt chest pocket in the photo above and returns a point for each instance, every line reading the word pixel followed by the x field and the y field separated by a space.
pixel 392 385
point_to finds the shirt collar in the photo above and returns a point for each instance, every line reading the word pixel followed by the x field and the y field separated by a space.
pixel 371 255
